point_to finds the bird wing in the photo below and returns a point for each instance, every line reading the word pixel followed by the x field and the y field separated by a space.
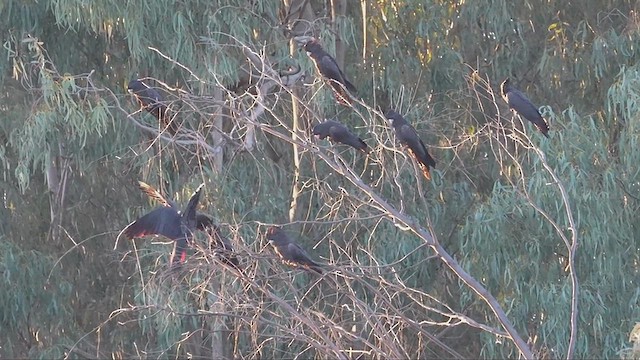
pixel 340 133
pixel 155 194
pixel 149 98
pixel 189 217
pixel 152 101
pixel 417 149
pixel 409 137
pixel 159 109
pixel 296 256
pixel 329 68
pixel 163 221
pixel 519 102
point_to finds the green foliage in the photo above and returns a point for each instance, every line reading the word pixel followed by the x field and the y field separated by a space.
pixel 26 285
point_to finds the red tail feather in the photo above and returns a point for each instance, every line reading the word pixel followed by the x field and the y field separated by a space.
pixel 342 95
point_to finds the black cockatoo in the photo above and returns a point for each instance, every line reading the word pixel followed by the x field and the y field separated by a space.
pixel 412 142
pixel 339 133
pixel 289 251
pixel 329 70
pixel 151 100
pixel 203 223
pixel 170 223
pixel 519 102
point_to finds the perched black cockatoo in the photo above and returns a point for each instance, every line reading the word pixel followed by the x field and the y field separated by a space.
pixel 289 251
pixel 339 133
pixel 522 105
pixel 412 142
pixel 170 223
pixel 221 244
pixel 329 70
pixel 151 100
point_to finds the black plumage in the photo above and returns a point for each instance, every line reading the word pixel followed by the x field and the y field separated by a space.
pixel 519 102
pixel 330 71
pixel 339 133
pixel 221 244
pixel 289 251
pixel 151 100
pixel 170 223
pixel 204 223
pixel 412 142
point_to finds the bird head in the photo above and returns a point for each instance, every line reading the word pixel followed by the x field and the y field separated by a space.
pixel 135 85
pixel 274 234
pixel 321 130
pixel 316 131
pixel 312 46
pixel 505 86
pixel 273 230
pixel 393 117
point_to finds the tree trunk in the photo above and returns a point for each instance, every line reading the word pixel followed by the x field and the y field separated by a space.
pixel 297 9
pixel 338 11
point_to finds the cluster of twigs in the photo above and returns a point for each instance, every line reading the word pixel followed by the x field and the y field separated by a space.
pixel 362 306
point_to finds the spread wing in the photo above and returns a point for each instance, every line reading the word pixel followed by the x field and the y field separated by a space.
pixel 163 221
pixel 155 194
pixel 189 215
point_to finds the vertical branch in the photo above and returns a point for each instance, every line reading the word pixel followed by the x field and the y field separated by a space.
pixel 216 136
pixel 217 323
pixel 338 10
pixel 572 247
pixel 298 26
pixel 57 174
pixel 295 190
pixel 511 149
pixel 363 5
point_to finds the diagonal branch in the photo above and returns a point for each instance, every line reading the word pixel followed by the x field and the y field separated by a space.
pixel 403 222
